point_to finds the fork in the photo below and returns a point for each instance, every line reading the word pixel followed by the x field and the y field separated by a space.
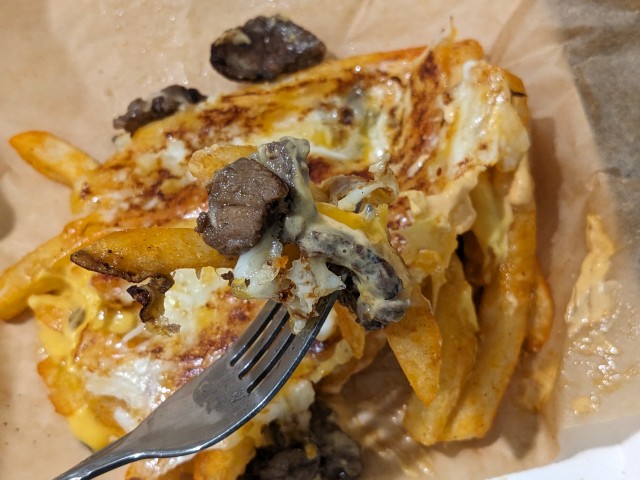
pixel 218 401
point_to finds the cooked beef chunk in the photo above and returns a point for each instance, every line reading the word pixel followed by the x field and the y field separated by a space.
pixel 288 464
pixel 340 455
pixel 287 158
pixel 323 452
pixel 244 199
pixel 373 286
pixel 264 48
pixel 143 111
pixel 283 159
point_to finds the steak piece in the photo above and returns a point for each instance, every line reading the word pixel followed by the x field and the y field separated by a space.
pixel 320 452
pixel 167 102
pixel 264 48
pixel 244 199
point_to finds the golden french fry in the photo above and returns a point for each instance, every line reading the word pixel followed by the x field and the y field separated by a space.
pixel 351 331
pixel 538 369
pixel 52 156
pixel 140 253
pixel 416 344
pixel 28 276
pixel 456 317
pixel 204 163
pixel 535 378
pixel 332 384
pixel 503 323
pixel 540 315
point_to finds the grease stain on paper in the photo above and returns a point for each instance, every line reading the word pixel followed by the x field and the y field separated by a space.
pixel 597 305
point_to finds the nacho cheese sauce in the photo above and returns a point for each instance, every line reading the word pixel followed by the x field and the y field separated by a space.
pixel 138 370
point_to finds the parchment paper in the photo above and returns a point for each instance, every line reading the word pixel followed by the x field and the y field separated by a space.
pixel 69 67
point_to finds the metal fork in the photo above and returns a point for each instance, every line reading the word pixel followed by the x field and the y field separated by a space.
pixel 218 401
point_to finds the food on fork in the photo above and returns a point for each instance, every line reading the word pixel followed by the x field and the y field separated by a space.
pixel 407 168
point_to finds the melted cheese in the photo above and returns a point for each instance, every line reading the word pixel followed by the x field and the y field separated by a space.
pixel 89 430
pixel 138 383
pixel 185 303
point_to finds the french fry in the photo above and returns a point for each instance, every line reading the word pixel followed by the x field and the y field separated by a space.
pixel 140 253
pixel 503 324
pixel 540 315
pixel 351 331
pixel 456 317
pixel 53 157
pixel 535 378
pixel 538 369
pixel 416 344
pixel 332 384
pixel 226 464
pixel 204 163
pixel 28 276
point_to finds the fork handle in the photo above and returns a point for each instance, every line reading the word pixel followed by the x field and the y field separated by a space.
pixel 110 457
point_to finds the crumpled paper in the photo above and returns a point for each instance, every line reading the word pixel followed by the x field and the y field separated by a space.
pixel 70 67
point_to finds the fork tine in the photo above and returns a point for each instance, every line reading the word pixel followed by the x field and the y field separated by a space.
pixel 253 330
pixel 274 326
pixel 286 353
pixel 262 366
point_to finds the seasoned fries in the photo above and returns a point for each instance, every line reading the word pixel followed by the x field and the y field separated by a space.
pixel 53 157
pixel 136 255
pixel 502 319
pixel 204 163
pixel 456 318
pixel 449 130
pixel 29 276
pixel 415 341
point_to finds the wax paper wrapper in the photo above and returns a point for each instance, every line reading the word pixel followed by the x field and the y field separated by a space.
pixel 69 67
